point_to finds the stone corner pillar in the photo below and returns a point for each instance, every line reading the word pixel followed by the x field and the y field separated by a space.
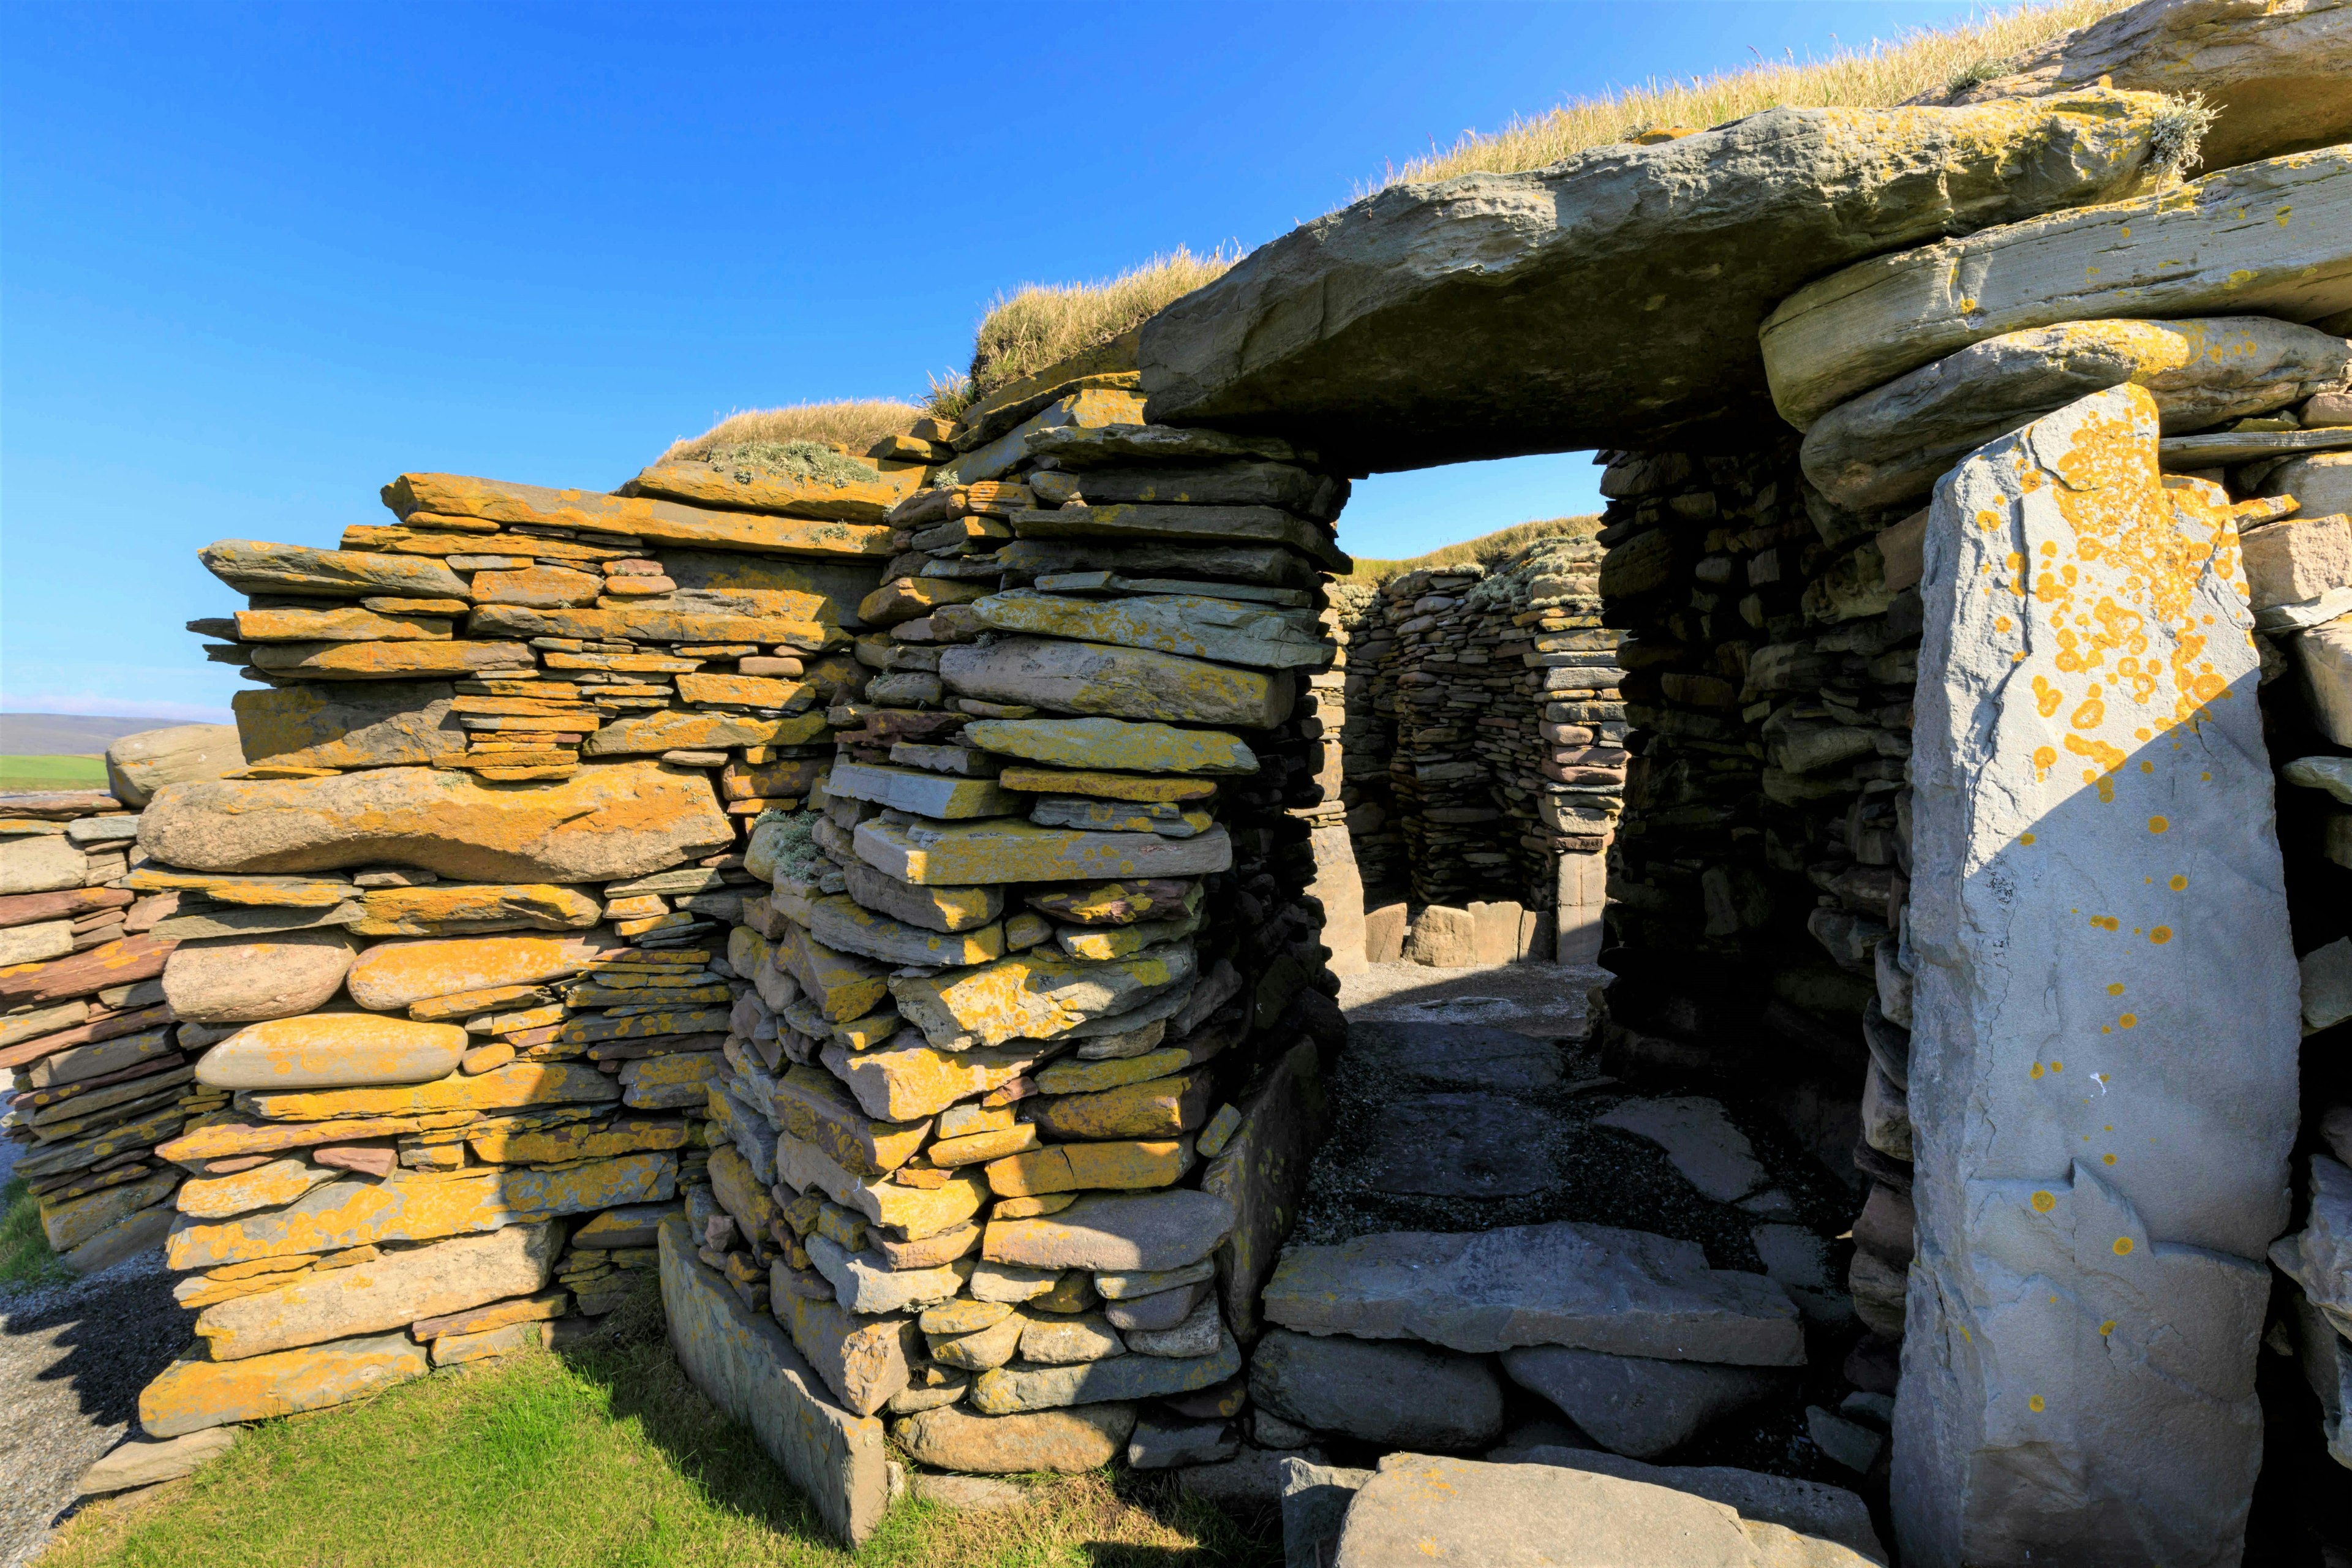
pixel 2105 1018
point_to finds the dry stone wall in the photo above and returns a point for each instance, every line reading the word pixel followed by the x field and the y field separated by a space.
pixel 1483 763
pixel 2078 617
pixel 1018 1104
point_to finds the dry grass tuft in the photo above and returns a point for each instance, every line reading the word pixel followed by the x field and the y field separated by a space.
pixel 856 423
pixel 1041 324
pixel 1879 76
pixel 1488 550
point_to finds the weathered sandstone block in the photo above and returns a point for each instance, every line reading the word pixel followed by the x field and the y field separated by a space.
pixel 1117 682
pixel 1892 444
pixel 605 824
pixel 1431 320
pixel 2267 238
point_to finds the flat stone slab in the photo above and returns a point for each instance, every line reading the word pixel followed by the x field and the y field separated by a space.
pixel 1462 1056
pixel 1377 1390
pixel 1460 1145
pixel 1698 1137
pixel 2266 238
pixel 1637 1405
pixel 1419 1509
pixel 744 1363
pixel 1624 1291
pixel 140 1463
pixel 1544 1000
pixel 1809 1508
pixel 1428 323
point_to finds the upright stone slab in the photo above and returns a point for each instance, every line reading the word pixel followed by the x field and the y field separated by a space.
pixel 2103 1060
pixel 743 1364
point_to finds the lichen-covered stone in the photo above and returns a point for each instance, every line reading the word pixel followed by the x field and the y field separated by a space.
pixel 1035 996
pixel 1004 849
pixel 1891 443
pixel 190 1395
pixel 351 1213
pixel 332 1050
pixel 656 522
pixel 372 724
pixel 2102 1085
pixel 459 909
pixel 1116 682
pixel 2264 238
pixel 601 825
pixel 398 974
pixel 1115 744
pixel 398 1289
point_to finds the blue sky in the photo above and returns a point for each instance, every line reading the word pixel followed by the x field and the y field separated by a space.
pixel 255 261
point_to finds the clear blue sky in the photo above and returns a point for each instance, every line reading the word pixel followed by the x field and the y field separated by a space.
pixel 255 261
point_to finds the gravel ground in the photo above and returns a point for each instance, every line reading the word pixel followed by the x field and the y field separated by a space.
pixel 73 1358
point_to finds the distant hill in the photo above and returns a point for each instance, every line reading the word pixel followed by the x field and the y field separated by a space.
pixel 68 734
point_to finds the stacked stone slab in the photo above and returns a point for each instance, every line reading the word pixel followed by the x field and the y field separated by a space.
pixel 1485 765
pixel 2103 567
pixel 450 934
pixel 1015 1108
pixel 101 1074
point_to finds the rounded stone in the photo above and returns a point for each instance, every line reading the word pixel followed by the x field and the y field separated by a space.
pixel 1079 1438
pixel 138 765
pixel 332 1050
pixel 243 980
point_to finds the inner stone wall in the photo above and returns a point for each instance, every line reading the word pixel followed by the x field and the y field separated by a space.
pixel 1482 759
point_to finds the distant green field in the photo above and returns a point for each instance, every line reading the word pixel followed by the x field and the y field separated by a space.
pixel 51 773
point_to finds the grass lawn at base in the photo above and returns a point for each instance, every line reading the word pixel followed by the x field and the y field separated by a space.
pixel 25 1259
pixel 20 773
pixel 601 1455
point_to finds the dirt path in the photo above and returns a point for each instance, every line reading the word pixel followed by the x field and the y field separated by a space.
pixel 72 1360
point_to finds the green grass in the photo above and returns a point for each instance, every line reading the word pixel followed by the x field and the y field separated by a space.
pixel 604 1455
pixel 25 1257
pixel 51 773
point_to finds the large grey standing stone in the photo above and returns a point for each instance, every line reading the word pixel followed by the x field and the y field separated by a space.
pixel 1892 443
pixel 2274 72
pixel 138 765
pixel 1402 1396
pixel 2272 238
pixel 1419 1509
pixel 1624 1291
pixel 607 822
pixel 745 1365
pixel 1809 1508
pixel 241 979
pixel 2103 1065
pixel 352 724
pixel 1635 1404
pixel 1610 299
